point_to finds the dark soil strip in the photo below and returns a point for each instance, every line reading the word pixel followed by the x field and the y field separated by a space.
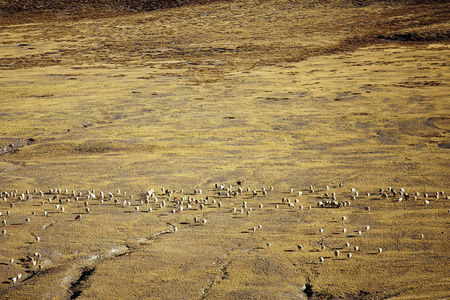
pixel 78 286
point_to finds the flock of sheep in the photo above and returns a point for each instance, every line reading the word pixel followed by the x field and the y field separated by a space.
pixel 234 199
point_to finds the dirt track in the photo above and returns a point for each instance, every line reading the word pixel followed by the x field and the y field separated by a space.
pixel 276 93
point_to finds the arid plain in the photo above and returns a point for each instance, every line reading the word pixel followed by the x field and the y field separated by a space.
pixel 300 96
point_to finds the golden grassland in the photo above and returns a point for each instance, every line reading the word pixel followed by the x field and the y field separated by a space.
pixel 274 93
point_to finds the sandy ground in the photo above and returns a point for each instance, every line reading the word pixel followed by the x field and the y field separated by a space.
pixel 277 93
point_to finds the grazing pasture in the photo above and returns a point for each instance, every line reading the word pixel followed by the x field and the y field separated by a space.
pixel 227 149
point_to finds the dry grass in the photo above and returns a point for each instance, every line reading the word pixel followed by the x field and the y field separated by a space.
pixel 276 93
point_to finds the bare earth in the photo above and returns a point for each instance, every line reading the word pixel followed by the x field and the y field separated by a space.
pixel 273 93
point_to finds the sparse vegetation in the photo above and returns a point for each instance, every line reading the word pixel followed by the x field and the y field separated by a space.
pixel 214 100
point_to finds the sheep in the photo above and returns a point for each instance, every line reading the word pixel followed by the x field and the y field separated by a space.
pixel 356 248
pixel 3 231
pixel 175 228
pixel 344 219
pixel 269 245
pixel 299 247
pixel 367 208
pixel 321 259
pixel 349 255
pixel 27 220
pixel 336 253
pixel 37 239
pixel 321 230
pixel 78 218
pixel 3 222
pixel 380 250
pixel 204 221
pixel 422 236
pixel 136 208
pixel 260 226
pixel 11 261
pixel 426 202
pixel 347 245
pixel 88 210
pixel 344 230
pixel 359 232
